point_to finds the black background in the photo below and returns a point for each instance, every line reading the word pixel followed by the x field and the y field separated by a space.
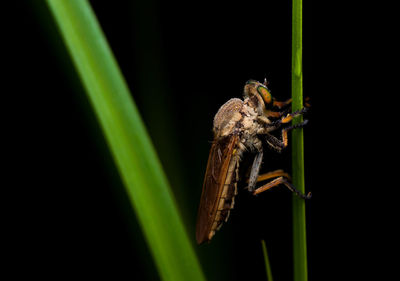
pixel 182 61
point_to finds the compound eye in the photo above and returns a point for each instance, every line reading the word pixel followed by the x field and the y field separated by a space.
pixel 251 81
pixel 265 94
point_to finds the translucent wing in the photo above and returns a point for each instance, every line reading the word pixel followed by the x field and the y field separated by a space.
pixel 216 173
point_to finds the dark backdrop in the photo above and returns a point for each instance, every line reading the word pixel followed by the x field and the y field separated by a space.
pixel 182 61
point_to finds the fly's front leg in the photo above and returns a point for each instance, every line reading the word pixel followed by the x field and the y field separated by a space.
pixel 289 117
pixel 270 126
pixel 280 144
pixel 281 105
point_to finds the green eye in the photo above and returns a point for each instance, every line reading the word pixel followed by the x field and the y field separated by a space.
pixel 265 94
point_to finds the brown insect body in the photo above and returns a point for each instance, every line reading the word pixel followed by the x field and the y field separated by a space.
pixel 236 127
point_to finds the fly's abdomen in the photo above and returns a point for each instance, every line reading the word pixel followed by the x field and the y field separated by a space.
pixel 227 200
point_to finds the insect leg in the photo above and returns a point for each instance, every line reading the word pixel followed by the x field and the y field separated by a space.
pixel 281 180
pixel 271 126
pixel 278 144
pixel 280 104
pixel 289 117
pixel 255 169
pixel 273 174
pixel 275 114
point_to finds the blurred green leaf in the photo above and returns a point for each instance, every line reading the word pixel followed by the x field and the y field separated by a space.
pixel 130 145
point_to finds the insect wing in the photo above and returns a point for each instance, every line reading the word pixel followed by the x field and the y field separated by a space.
pixel 217 168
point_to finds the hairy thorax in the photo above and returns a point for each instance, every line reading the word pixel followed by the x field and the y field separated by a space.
pixel 238 117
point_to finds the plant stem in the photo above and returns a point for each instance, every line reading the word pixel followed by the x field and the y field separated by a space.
pixel 134 155
pixel 299 218
pixel 266 260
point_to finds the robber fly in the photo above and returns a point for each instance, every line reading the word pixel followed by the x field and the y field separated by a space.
pixel 238 126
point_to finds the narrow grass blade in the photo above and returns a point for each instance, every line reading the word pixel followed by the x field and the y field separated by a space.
pixel 134 155
pixel 266 260
pixel 299 217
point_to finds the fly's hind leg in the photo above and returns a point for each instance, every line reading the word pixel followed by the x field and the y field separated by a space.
pixel 273 174
pixel 282 178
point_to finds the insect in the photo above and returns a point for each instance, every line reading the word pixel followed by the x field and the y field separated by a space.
pixel 239 126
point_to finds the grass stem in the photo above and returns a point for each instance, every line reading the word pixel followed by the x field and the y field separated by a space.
pixel 266 260
pixel 299 217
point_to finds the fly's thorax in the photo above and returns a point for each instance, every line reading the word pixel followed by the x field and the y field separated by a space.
pixel 250 127
pixel 249 122
pixel 227 118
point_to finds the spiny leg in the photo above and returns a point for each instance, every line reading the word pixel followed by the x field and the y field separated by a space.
pixel 278 144
pixel 283 105
pixel 275 114
pixel 280 104
pixel 289 117
pixel 278 114
pixel 255 169
pixel 273 125
pixel 281 180
pixel 273 174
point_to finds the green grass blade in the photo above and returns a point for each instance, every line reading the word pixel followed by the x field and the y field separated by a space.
pixel 299 216
pixel 266 260
pixel 130 145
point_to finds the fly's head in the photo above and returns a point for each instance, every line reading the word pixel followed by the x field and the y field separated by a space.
pixel 259 96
